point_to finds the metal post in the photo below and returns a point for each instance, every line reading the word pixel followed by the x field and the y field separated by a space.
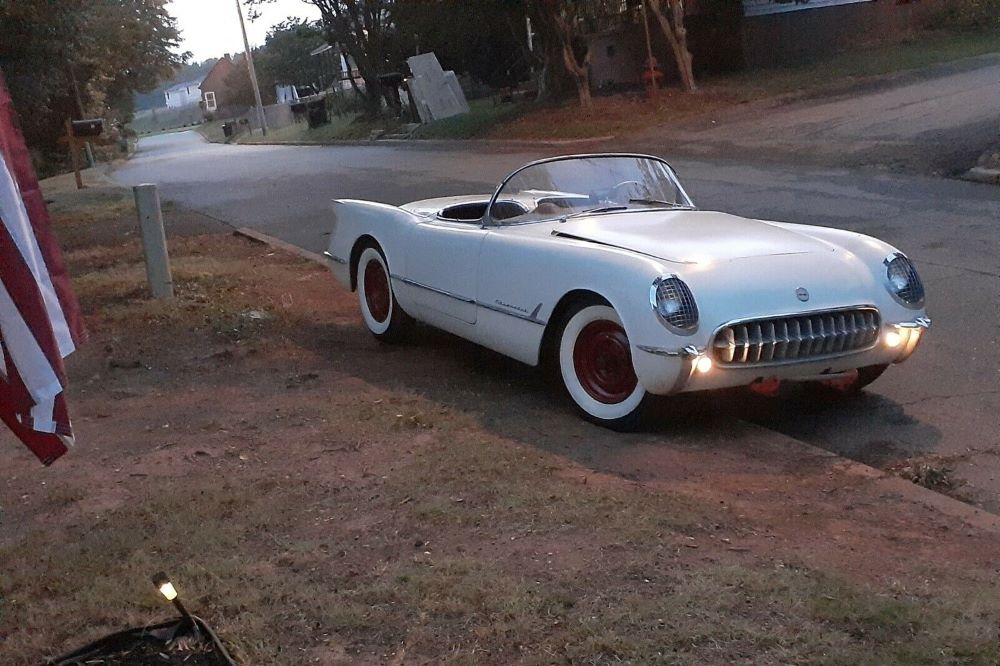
pixel 154 240
pixel 253 72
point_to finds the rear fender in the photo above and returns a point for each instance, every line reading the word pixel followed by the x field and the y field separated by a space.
pixel 355 220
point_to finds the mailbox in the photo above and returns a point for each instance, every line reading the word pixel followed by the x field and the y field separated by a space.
pixel 87 128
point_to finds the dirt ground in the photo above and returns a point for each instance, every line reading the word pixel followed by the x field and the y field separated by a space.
pixel 319 498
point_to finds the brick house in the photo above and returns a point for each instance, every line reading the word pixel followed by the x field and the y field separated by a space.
pixel 215 91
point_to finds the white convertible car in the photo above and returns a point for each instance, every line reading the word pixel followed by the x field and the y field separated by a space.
pixel 602 266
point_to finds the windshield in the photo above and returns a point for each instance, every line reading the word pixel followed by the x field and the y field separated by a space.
pixel 588 184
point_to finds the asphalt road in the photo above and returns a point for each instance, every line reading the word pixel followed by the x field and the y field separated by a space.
pixel 944 403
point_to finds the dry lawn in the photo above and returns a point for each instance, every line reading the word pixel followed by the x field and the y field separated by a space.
pixel 321 499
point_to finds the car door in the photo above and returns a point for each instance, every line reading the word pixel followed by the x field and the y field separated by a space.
pixel 442 265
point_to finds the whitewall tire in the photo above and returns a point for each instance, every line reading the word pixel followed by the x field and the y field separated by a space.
pixel 595 363
pixel 379 309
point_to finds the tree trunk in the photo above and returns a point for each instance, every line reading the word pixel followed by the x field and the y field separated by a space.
pixel 579 71
pixel 676 35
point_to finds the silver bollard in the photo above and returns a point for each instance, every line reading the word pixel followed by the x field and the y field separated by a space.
pixel 154 240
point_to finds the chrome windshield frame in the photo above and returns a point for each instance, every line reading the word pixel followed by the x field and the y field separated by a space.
pixel 489 221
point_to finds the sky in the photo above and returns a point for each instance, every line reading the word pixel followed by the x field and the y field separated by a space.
pixel 211 28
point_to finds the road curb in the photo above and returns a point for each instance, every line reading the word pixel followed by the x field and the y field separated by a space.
pixel 279 244
pixel 465 144
pixel 889 485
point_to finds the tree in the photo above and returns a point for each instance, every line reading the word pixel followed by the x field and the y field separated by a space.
pixel 285 57
pixel 363 30
pixel 239 91
pixel 82 57
pixel 486 39
pixel 559 25
pixel 673 29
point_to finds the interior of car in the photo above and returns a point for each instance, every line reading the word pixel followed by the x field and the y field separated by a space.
pixel 476 210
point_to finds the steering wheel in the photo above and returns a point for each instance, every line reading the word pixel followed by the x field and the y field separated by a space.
pixel 617 193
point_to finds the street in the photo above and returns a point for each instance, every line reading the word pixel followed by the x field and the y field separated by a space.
pixel 942 406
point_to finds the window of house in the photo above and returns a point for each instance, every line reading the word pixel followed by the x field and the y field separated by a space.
pixel 210 101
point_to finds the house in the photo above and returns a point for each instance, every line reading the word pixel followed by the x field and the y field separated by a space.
pixel 751 34
pixel 783 32
pixel 215 86
pixel 183 94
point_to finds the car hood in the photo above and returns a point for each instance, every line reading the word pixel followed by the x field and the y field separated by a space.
pixel 690 236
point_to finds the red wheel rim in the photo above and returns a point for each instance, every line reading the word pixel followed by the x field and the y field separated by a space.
pixel 377 295
pixel 603 362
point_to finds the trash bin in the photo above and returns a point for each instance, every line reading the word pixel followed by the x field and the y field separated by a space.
pixel 227 130
pixel 317 113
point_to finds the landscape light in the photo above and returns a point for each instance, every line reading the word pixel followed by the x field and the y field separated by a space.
pixel 167 589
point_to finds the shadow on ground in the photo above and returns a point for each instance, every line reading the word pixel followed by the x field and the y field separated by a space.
pixel 520 402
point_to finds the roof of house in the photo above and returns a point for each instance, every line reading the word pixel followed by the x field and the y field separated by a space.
pixel 221 69
pixel 182 86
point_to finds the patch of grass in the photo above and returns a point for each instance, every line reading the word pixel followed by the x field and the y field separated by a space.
pixel 212 130
pixel 484 115
pixel 922 50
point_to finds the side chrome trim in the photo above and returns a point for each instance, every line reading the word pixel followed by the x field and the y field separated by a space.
pixel 533 317
pixel 414 283
pixel 334 258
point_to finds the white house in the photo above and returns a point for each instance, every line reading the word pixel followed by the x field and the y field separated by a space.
pixel 183 94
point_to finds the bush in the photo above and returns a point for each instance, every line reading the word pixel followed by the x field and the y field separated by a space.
pixel 346 103
pixel 970 15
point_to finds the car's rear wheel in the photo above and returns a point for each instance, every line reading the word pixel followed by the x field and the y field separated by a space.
pixel 595 363
pixel 379 309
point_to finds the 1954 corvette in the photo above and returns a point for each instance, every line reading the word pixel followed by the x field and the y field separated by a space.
pixel 602 266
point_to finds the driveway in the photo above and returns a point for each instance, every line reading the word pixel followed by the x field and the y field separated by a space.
pixel 943 406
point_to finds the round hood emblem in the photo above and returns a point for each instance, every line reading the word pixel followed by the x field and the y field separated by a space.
pixel 802 294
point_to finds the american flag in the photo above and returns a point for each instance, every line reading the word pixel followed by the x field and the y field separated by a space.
pixel 40 321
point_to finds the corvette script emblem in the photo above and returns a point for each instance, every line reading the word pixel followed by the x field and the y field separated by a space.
pixel 802 293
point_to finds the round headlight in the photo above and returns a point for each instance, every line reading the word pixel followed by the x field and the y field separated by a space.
pixel 902 281
pixel 674 304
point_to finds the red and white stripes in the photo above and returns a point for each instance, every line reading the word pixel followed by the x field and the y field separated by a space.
pixel 39 318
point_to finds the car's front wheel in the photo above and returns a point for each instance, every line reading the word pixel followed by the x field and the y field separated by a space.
pixel 595 362
pixel 382 314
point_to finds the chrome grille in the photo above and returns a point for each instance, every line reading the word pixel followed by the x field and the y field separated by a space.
pixel 802 337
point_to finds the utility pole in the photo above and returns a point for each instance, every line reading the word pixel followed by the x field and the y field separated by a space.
pixel 253 72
